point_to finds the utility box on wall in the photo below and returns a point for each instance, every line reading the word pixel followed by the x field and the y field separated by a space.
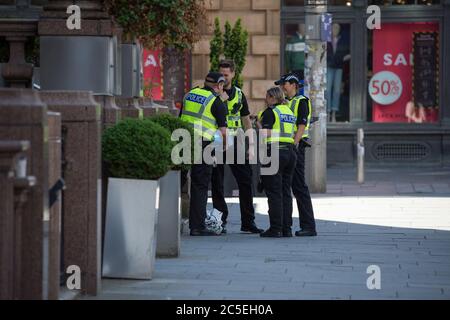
pixel 131 70
pixel 79 63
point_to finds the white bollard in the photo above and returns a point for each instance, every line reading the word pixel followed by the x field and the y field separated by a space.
pixel 360 155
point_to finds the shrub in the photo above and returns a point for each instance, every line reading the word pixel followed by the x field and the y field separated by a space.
pixel 172 123
pixel 137 149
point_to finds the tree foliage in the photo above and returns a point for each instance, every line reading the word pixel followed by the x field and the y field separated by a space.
pixel 160 23
pixel 235 43
pixel 216 46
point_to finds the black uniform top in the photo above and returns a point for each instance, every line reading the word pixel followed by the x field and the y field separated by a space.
pixel 267 122
pixel 218 109
pixel 267 118
pixel 244 110
pixel 302 112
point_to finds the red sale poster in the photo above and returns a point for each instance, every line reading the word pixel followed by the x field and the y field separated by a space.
pixel 151 60
pixel 391 87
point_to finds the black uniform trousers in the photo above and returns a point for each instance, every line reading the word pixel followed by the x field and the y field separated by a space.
pixel 301 191
pixel 243 175
pixel 278 190
pixel 200 177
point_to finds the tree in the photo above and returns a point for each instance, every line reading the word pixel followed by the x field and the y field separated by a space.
pixel 235 43
pixel 171 25
pixel 216 46
pixel 160 23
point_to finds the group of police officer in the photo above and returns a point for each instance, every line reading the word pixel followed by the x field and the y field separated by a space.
pixel 284 123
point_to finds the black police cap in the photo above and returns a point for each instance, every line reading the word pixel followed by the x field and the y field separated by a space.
pixel 214 77
pixel 291 77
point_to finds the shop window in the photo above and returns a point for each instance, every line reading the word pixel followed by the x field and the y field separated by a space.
pixel 338 73
pixel 299 3
pixel 295 48
pixel 338 65
pixel 403 73
pixel 405 2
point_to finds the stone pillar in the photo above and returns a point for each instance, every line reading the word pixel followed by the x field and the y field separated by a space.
pixel 169 104
pixel 24 117
pixel 54 225
pixel 129 108
pixel 21 195
pixel 150 107
pixel 8 153
pixel 17 72
pixel 111 113
pixel 80 116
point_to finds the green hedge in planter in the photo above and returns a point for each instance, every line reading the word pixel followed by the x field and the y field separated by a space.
pixel 172 123
pixel 137 149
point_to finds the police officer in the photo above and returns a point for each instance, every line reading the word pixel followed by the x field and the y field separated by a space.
pixel 203 108
pixel 278 125
pixel 301 106
pixel 238 117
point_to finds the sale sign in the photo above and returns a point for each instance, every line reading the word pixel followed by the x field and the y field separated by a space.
pixel 385 87
pixel 151 61
pixel 391 85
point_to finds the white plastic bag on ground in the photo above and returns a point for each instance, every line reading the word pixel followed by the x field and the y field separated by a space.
pixel 213 221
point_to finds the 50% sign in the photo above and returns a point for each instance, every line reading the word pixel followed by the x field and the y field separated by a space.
pixel 385 87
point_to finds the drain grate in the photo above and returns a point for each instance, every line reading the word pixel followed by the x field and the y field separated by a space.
pixel 401 151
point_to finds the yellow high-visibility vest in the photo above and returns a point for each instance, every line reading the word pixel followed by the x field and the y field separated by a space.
pixel 284 126
pixel 294 104
pixel 197 105
pixel 234 111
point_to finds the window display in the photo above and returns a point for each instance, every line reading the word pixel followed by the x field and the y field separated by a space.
pixel 329 2
pixel 338 54
pixel 295 51
pixel 404 73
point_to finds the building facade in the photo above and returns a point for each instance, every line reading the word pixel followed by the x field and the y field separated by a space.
pixel 390 81
pixel 261 18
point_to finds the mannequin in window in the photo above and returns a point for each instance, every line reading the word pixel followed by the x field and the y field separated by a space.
pixel 338 52
pixel 295 52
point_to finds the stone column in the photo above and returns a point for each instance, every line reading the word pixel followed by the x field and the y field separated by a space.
pixel 54 224
pixel 17 72
pixel 111 112
pixel 21 195
pixel 129 108
pixel 8 152
pixel 150 107
pixel 110 116
pixel 169 104
pixel 80 116
pixel 24 117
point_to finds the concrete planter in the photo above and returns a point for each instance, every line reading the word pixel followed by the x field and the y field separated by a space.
pixel 168 244
pixel 130 229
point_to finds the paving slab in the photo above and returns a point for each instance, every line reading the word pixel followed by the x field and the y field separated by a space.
pixel 398 220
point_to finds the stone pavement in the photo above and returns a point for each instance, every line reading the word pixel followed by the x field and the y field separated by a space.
pixel 399 220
